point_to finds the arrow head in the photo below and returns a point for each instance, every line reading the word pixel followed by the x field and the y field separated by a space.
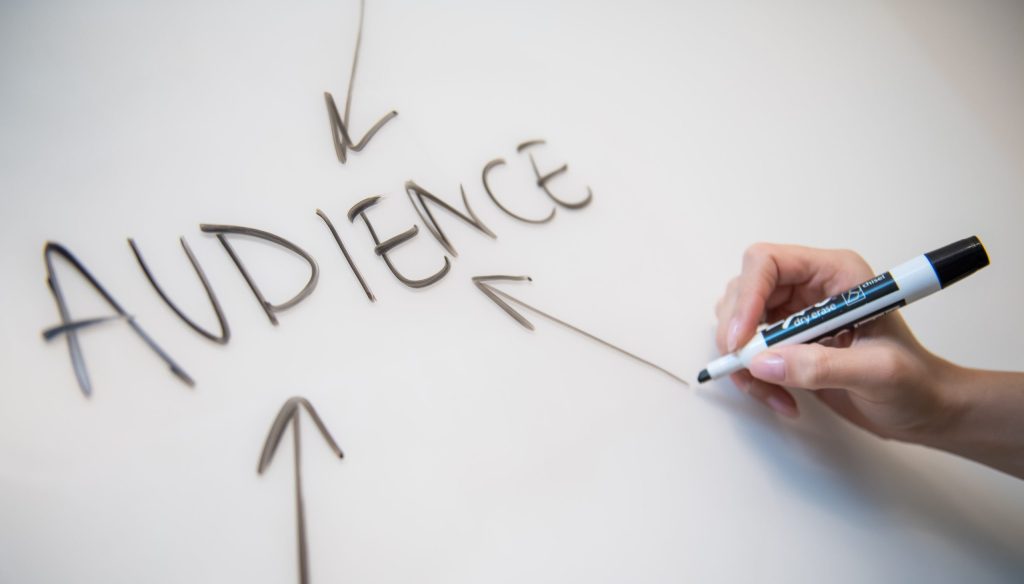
pixel 285 415
pixel 492 293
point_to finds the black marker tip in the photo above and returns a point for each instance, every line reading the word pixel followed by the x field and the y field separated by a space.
pixel 703 376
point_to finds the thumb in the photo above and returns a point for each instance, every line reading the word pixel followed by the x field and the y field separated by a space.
pixel 860 369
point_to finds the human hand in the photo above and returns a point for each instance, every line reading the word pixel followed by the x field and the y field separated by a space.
pixel 877 376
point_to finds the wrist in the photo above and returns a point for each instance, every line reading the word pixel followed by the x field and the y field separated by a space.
pixel 946 426
pixel 979 417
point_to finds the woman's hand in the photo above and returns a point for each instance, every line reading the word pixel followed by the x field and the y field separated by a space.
pixel 878 376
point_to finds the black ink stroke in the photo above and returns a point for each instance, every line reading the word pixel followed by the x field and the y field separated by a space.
pixel 348 258
pixel 499 298
pixel 489 291
pixel 270 309
pixel 382 248
pixel 419 194
pixel 543 179
pixel 340 122
pixel 70 327
pixel 225 330
pixel 490 193
pixel 289 412
pixel 56 331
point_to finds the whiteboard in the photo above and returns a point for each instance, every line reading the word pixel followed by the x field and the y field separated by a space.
pixel 477 450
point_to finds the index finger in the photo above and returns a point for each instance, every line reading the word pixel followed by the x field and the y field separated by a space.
pixel 766 266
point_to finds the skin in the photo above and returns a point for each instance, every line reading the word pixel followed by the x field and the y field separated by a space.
pixel 878 377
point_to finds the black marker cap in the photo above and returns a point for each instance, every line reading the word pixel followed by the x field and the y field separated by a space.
pixel 956 261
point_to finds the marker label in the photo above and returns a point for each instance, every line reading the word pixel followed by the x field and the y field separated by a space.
pixel 830 308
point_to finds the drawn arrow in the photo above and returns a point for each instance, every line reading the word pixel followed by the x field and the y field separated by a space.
pixel 290 413
pixel 499 298
pixel 340 122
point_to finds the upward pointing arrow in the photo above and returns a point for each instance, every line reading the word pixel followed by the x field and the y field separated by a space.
pixel 290 413
pixel 500 298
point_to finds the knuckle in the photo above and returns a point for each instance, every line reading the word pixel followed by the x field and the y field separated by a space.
pixel 889 365
pixel 756 252
pixel 817 371
pixel 854 259
pixel 720 339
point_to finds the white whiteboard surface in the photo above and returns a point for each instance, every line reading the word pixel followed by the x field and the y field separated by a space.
pixel 478 451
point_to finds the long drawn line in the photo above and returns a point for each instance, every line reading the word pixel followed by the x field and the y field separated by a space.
pixel 355 61
pixel 573 328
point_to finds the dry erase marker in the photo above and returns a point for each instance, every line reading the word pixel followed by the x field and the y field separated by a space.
pixel 898 287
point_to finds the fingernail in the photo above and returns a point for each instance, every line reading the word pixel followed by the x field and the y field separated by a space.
pixel 769 367
pixel 732 339
pixel 782 407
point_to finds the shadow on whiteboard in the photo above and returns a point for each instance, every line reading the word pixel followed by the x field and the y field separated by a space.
pixel 905 496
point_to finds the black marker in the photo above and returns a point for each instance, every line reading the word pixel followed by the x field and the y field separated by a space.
pixel 898 287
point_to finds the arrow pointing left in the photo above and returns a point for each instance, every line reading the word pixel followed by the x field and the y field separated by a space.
pixel 289 412
pixel 503 300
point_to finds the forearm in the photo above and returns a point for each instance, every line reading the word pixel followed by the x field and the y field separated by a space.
pixel 986 419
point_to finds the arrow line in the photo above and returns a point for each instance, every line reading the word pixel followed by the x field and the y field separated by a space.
pixel 340 122
pixel 289 412
pixel 499 298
